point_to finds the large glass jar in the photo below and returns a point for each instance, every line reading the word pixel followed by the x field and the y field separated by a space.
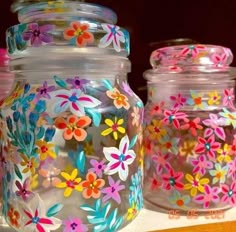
pixel 6 81
pixel 73 123
pixel 190 129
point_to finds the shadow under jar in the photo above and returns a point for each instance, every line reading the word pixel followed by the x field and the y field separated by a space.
pixel 74 126
pixel 190 129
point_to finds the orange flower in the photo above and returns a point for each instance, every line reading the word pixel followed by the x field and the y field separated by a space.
pixel 79 32
pixel 13 216
pixel 120 100
pixel 73 127
pixel 92 186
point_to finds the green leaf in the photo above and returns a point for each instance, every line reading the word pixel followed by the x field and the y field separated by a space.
pixel 17 171
pixel 133 141
pixel 54 210
pixel 80 162
pixel 107 84
pixel 60 82
pixel 96 116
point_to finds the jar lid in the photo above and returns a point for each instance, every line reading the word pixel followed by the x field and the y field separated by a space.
pixel 193 57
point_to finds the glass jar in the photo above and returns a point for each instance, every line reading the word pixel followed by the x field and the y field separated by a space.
pixel 74 125
pixel 190 129
pixel 6 81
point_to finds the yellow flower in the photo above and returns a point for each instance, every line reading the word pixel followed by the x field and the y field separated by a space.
pixel 214 98
pixel 34 181
pixel 45 150
pixel 156 130
pixel 224 154
pixel 187 148
pixel 29 164
pixel 114 127
pixel 196 184
pixel 132 212
pixel 72 182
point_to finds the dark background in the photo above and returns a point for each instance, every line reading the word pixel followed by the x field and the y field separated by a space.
pixel 149 21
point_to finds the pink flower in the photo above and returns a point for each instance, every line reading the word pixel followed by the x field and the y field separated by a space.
pixel 50 175
pixel 74 225
pixel 161 162
pixel 192 50
pixel 219 60
pixel 229 194
pixel 173 179
pixel 23 190
pixel 98 167
pixel 201 164
pixel 112 192
pixel 208 146
pixel 157 109
pixel 179 100
pixel 192 125
pixel 228 99
pixel 155 182
pixel 215 123
pixel 232 169
pixel 173 116
pixel 209 195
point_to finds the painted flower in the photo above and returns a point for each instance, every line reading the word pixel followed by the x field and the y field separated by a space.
pixel 132 212
pixel 43 91
pixel 161 162
pixel 232 169
pixel 228 99
pixel 208 146
pixel 224 154
pixel 155 183
pixel 209 195
pixel 233 147
pixel 78 33
pixel 156 130
pixel 74 100
pixel 192 126
pixel 219 60
pixel 214 98
pixel 230 117
pixel 187 148
pixel 113 35
pixel 38 221
pixel 169 145
pixel 195 184
pixel 73 127
pixel 197 101
pixel 219 173
pixel 14 217
pixel 173 180
pixel 173 117
pixel 215 123
pixel 50 176
pixel 192 50
pixel 34 181
pixel 92 186
pixel 136 116
pixel 71 183
pixel 178 100
pixel 119 159
pixel 29 164
pixel 77 82
pixel 114 127
pixel 98 167
pixel 179 201
pixel 112 192
pixel 157 109
pixel 120 100
pixel 200 165
pixel 229 194
pixel 74 225
pixel 45 150
pixel 23 190
pixel 38 34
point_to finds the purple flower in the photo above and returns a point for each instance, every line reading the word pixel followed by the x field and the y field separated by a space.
pixel 23 189
pixel 127 89
pixel 209 195
pixel 77 82
pixel 98 167
pixel 201 164
pixel 44 90
pixel 38 34
pixel 74 225
pixel 229 193
pixel 112 192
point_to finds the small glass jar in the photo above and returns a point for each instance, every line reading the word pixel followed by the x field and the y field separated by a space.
pixel 74 126
pixel 190 129
pixel 6 81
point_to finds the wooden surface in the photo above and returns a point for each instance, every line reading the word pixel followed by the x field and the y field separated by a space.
pixel 214 227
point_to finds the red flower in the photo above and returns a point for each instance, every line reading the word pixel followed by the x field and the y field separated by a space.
pixel 172 179
pixel 173 116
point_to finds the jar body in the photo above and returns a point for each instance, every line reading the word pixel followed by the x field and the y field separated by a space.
pixel 190 141
pixel 72 151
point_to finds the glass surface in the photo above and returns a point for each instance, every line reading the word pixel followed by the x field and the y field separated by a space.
pixel 190 131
